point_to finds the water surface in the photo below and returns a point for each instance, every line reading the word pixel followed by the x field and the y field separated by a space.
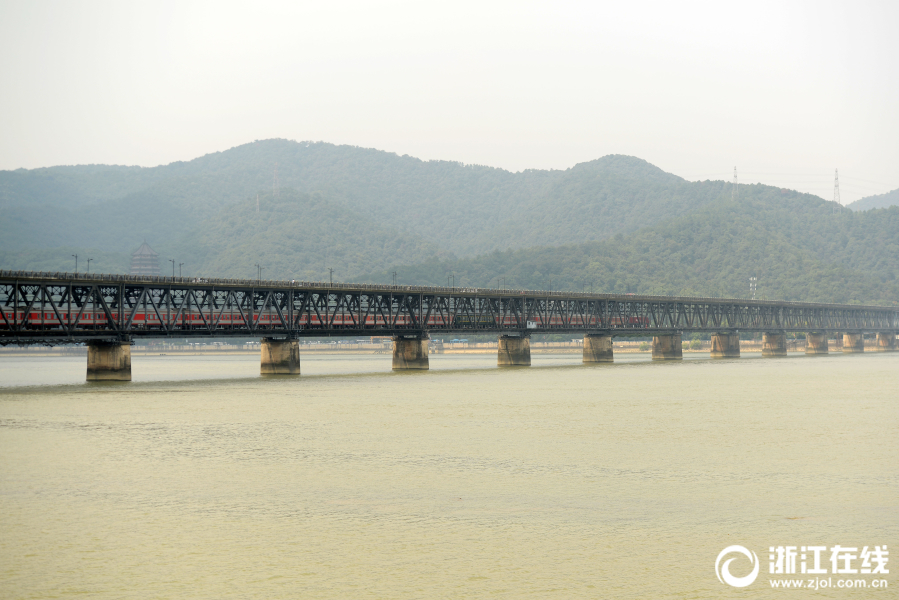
pixel 201 479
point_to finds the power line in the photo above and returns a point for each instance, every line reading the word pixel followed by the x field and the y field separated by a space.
pixel 867 180
pixel 788 177
pixel 853 186
pixel 823 181
pixel 806 183
pixel 821 174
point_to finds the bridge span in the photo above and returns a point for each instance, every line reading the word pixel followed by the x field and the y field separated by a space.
pixel 108 312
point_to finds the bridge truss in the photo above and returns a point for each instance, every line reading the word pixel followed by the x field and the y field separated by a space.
pixel 59 308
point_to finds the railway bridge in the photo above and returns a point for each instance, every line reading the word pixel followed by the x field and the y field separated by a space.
pixel 108 312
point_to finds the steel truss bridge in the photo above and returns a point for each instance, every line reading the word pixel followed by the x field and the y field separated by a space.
pixel 61 308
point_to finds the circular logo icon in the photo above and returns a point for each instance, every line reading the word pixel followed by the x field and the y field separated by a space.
pixel 723 570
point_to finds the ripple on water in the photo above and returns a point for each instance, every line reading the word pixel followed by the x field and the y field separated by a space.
pixel 202 479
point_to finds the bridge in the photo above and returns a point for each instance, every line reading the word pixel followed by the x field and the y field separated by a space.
pixel 108 312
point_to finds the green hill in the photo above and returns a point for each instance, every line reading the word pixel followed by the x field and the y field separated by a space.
pixel 796 248
pixel 463 209
pixel 879 201
pixel 295 236
pixel 617 223
pixel 72 186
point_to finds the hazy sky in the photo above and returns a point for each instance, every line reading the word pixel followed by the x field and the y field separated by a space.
pixel 786 91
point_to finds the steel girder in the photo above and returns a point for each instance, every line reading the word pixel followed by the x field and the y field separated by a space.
pixel 66 308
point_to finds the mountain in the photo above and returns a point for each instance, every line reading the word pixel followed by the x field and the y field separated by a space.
pixel 463 209
pixel 617 223
pixel 879 201
pixel 72 186
pixel 296 236
pixel 793 245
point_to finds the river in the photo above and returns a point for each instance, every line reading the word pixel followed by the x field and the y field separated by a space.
pixel 201 479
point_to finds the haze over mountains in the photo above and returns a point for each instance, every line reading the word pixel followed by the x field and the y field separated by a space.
pixel 617 223
pixel 878 201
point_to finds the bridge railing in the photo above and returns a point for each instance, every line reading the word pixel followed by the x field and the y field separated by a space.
pixel 323 285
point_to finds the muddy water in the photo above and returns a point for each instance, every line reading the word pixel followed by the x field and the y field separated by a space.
pixel 201 479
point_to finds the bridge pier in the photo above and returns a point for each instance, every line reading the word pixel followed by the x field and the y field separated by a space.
pixel 513 351
pixel 725 345
pixel 279 357
pixel 815 343
pixel 410 353
pixel 108 361
pixel 774 345
pixel 886 342
pixel 853 343
pixel 598 348
pixel 667 347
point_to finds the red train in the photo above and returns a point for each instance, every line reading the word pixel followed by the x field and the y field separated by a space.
pixel 149 321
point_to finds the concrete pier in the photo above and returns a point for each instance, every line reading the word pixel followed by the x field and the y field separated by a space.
pixel 279 357
pixel 410 353
pixel 108 361
pixel 598 348
pixel 774 345
pixel 853 343
pixel 725 345
pixel 815 343
pixel 513 351
pixel 667 347
pixel 886 342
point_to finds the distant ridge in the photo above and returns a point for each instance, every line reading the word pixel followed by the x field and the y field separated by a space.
pixel 617 223
pixel 458 208
pixel 879 201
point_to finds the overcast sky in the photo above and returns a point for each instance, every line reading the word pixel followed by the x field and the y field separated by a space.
pixel 784 91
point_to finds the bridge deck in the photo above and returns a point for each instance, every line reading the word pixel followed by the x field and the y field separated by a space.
pixel 54 308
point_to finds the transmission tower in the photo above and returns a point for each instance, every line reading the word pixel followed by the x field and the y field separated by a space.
pixel 275 188
pixel 836 191
pixel 733 192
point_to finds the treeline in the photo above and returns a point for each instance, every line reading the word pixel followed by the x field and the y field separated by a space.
pixel 878 201
pixel 795 252
pixel 617 224
pixel 463 209
pixel 292 236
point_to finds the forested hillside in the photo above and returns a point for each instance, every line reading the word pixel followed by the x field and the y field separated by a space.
pixel 878 201
pixel 296 236
pixel 796 248
pixel 617 223
pixel 463 209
